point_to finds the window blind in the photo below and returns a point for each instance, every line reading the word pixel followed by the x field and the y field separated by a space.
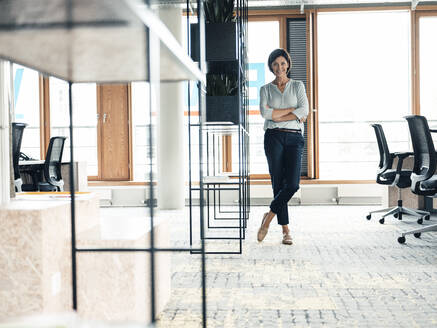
pixel 296 46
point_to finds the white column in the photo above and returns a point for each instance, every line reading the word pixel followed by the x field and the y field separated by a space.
pixel 171 143
pixel 5 167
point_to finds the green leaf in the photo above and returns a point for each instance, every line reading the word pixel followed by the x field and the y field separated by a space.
pixel 221 84
pixel 219 11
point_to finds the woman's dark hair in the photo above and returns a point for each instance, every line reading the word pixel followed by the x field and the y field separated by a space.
pixel 278 53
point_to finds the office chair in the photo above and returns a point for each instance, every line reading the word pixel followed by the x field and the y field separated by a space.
pixel 424 177
pixel 399 178
pixel 52 166
pixel 17 137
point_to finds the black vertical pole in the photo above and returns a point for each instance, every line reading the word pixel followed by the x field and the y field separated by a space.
pixel 202 226
pixel 201 33
pixel 69 14
pixel 189 131
pixel 151 194
pixel 73 202
pixel 241 123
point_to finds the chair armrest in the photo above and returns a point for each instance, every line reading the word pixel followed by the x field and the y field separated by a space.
pixel 403 155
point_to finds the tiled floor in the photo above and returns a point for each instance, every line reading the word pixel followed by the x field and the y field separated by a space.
pixel 342 271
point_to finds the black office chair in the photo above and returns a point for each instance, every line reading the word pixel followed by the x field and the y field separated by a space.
pixel 424 177
pixel 17 137
pixel 399 178
pixel 52 166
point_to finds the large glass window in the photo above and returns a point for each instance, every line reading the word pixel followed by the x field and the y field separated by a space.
pixel 26 99
pixel 363 77
pixel 84 121
pixel 140 133
pixel 263 38
pixel 428 68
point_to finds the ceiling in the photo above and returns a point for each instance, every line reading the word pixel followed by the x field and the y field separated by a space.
pixel 275 4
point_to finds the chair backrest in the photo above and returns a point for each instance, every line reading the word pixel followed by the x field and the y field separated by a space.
pixel 385 159
pixel 17 137
pixel 424 151
pixel 52 165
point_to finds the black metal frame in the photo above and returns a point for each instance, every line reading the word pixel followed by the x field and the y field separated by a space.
pixel 211 131
pixel 152 249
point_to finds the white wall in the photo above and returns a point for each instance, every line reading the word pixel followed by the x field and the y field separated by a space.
pixel 5 93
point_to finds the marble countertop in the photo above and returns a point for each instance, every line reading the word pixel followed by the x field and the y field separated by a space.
pixel 38 201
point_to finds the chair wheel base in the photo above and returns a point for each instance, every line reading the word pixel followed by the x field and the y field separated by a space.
pixel 382 221
pixel 427 217
pixel 401 240
pixel 417 234
pixel 420 221
pixel 368 217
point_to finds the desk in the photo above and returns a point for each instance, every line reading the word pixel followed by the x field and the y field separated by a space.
pixel 35 168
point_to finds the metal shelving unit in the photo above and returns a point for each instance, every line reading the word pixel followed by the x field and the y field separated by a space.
pixel 235 228
pixel 58 39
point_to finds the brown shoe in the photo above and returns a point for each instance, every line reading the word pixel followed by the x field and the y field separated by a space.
pixel 262 231
pixel 286 239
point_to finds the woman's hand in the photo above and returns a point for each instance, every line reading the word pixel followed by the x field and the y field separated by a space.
pixel 281 115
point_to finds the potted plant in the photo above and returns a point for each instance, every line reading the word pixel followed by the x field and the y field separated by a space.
pixel 220 32
pixel 222 103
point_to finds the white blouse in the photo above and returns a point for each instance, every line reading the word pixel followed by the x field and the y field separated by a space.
pixel 294 96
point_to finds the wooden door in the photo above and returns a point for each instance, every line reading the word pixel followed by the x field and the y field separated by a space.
pixel 113 108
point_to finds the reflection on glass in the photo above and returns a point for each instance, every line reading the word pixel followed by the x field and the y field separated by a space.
pixel 263 38
pixel 84 121
pixel 363 77
pixel 26 99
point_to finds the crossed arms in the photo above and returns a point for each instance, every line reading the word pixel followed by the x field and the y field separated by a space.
pixel 286 114
pixel 299 113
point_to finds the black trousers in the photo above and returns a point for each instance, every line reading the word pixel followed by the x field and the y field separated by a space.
pixel 284 155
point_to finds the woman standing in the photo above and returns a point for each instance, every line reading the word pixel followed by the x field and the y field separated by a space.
pixel 284 106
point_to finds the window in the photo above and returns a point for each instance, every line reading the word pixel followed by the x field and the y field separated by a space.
pixel 26 99
pixel 140 130
pixel 363 77
pixel 263 38
pixel 428 68
pixel 84 120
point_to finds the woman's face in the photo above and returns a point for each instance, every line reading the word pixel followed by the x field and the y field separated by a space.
pixel 280 67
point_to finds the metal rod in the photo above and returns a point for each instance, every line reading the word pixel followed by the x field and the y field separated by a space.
pixel 222 238
pixel 220 253
pixel 201 30
pixel 91 250
pixel 190 196
pixel 73 202
pixel 218 188
pixel 151 195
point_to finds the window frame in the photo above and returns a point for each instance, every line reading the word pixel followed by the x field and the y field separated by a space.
pixel 281 15
pixel 415 36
